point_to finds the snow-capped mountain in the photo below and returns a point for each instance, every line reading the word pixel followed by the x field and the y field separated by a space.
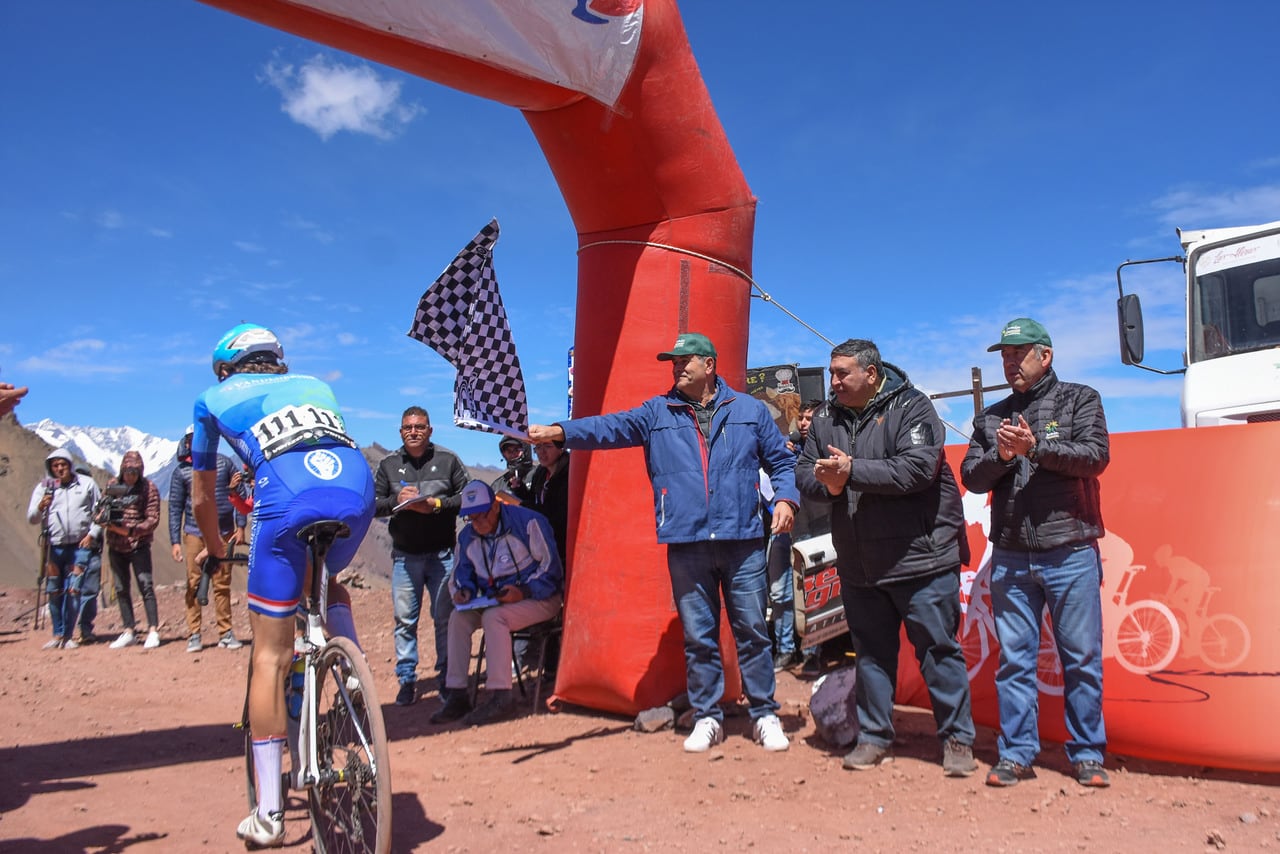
pixel 106 446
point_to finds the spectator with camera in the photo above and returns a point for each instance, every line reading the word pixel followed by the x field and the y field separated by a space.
pixel 547 491
pixel 184 535
pixel 519 463
pixel 130 517
pixel 63 504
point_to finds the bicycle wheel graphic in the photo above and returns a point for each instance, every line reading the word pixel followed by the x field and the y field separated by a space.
pixel 1048 665
pixel 1224 641
pixel 1147 637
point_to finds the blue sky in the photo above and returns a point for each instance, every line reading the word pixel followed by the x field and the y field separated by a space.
pixel 924 173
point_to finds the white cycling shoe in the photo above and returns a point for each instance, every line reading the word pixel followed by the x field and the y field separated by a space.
pixel 259 832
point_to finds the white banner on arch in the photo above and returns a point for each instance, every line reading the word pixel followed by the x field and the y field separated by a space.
pixel 588 46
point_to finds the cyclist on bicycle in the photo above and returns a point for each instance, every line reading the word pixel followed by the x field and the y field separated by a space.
pixel 288 429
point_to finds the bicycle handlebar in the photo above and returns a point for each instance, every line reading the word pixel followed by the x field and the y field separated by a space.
pixel 207 568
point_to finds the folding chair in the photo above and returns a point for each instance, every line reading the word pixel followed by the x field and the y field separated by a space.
pixel 538 637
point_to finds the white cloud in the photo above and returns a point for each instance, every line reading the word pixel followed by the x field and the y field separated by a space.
pixel 78 358
pixel 110 219
pixel 163 233
pixel 1191 208
pixel 327 97
pixel 246 246
pixel 311 229
pixel 332 376
pixel 346 339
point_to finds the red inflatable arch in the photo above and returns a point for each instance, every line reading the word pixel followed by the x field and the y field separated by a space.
pixel 654 191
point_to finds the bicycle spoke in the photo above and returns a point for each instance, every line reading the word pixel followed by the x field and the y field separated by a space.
pixel 351 802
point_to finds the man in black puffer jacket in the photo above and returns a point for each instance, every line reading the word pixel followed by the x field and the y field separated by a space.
pixel 874 455
pixel 1039 453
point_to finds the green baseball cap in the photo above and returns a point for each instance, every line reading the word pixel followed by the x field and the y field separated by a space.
pixel 1019 331
pixel 689 344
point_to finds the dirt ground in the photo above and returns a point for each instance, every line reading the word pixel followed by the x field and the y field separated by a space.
pixel 133 750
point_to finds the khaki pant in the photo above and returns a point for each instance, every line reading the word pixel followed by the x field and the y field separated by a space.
pixel 220 588
pixel 498 622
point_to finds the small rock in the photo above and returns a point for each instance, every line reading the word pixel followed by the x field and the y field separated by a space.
pixel 655 719
pixel 833 707
pixel 1215 839
pixel 1248 818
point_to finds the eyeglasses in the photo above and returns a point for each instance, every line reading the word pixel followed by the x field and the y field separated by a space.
pixel 414 428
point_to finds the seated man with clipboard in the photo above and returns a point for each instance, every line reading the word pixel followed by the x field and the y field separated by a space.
pixel 506 576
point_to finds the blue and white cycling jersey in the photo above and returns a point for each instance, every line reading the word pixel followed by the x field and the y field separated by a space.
pixel 306 469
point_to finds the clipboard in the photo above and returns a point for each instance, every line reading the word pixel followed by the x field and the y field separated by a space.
pixel 477 602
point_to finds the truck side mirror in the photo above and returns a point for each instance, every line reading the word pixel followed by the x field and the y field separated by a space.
pixel 1129 310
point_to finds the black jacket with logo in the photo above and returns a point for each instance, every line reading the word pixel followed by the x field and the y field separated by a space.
pixel 899 516
pixel 437 473
pixel 1053 498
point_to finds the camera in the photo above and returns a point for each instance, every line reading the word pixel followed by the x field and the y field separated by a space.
pixel 111 508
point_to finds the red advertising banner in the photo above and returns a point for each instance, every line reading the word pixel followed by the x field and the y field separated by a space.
pixel 1191 635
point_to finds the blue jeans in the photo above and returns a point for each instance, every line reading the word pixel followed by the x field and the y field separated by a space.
pixel 930 610
pixel 90 585
pixel 1068 580
pixel 782 595
pixel 409 575
pixel 73 597
pixel 698 573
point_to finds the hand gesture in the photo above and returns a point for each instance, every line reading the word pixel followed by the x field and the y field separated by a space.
pixel 833 471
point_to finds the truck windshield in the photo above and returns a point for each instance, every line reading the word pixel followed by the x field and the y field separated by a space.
pixel 1235 298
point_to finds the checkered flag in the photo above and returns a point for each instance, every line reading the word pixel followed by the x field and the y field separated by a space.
pixel 462 318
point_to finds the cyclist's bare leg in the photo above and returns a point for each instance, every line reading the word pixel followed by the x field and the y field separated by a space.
pixel 338 616
pixel 272 655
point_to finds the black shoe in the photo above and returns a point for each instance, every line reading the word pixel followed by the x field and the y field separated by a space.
pixel 499 706
pixel 408 694
pixel 783 660
pixel 456 706
pixel 1091 773
pixel 812 666
pixel 1006 772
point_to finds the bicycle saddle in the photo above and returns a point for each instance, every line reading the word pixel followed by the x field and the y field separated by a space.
pixel 325 531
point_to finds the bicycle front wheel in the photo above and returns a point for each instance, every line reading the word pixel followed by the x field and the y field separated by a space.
pixel 351 802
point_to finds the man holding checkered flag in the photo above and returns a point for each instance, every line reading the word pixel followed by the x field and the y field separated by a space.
pixel 462 318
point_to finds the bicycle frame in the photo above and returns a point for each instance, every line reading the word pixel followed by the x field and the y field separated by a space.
pixel 314 639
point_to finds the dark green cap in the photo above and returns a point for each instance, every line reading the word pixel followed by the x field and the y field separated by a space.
pixel 689 344
pixel 1019 331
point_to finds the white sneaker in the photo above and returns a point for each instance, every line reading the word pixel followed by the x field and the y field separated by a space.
pixel 126 639
pixel 262 832
pixel 706 732
pixel 153 640
pixel 768 731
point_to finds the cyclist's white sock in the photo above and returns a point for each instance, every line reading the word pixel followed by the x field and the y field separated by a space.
pixel 340 622
pixel 267 758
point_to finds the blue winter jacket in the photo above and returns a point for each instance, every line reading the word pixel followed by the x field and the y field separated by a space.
pixel 701 490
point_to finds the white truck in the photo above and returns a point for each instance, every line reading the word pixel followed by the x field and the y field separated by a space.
pixel 1231 364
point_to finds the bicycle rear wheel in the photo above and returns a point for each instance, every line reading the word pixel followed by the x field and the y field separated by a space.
pixel 351 802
